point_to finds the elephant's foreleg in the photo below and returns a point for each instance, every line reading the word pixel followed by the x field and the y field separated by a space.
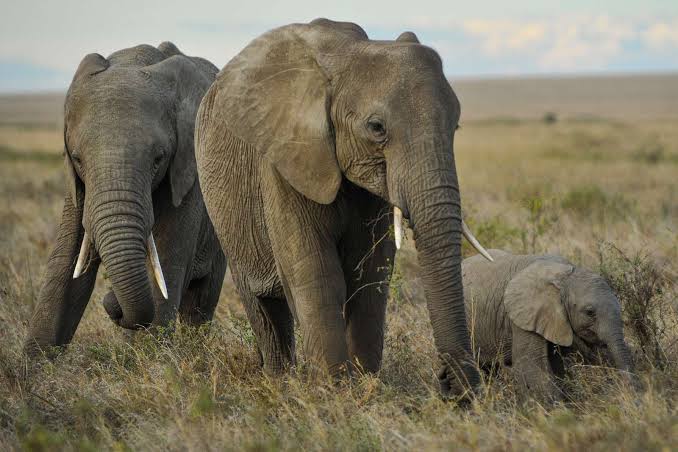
pixel 176 232
pixel 62 299
pixel 202 295
pixel 303 237
pixel 530 355
pixel 368 252
pixel 316 285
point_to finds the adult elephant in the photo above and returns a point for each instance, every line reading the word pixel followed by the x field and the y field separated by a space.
pixel 132 197
pixel 324 133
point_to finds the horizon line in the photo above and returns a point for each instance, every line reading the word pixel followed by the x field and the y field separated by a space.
pixel 463 78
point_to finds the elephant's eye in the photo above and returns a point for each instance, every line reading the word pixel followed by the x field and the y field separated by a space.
pixel 377 129
pixel 158 157
pixel 589 311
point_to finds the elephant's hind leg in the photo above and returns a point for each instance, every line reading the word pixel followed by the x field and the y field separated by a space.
pixel 200 299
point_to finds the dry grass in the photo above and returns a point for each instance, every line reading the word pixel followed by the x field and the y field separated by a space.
pixel 602 193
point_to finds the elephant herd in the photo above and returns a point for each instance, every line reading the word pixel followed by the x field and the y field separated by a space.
pixel 298 161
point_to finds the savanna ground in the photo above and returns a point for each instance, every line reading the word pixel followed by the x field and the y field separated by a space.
pixel 599 187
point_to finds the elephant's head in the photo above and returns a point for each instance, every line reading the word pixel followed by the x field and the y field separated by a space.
pixel 128 130
pixel 569 305
pixel 323 103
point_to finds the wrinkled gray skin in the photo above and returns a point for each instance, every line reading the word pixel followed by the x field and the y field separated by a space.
pixel 521 307
pixel 130 165
pixel 324 131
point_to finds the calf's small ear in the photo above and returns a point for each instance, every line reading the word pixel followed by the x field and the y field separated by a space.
pixel 532 301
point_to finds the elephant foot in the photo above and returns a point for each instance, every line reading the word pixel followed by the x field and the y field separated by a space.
pixel 538 386
pixel 458 380
pixel 34 350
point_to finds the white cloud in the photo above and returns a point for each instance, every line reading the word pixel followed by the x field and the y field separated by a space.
pixel 585 43
pixel 662 35
pixel 498 36
pixel 569 43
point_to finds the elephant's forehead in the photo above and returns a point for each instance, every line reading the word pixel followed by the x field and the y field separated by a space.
pixel 405 56
pixel 404 77
pixel 119 119
pixel 126 90
pixel 587 284
pixel 115 102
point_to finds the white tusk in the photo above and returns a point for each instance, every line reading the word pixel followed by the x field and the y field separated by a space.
pixel 82 257
pixel 473 241
pixel 398 226
pixel 155 263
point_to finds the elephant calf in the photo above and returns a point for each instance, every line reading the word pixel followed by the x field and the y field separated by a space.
pixel 133 197
pixel 520 307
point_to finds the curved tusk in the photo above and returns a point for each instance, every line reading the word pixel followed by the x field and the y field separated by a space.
pixel 155 263
pixel 398 226
pixel 82 257
pixel 473 241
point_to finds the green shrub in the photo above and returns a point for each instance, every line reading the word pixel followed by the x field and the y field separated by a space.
pixel 541 215
pixel 592 202
pixel 639 284
pixel 491 233
pixel 550 117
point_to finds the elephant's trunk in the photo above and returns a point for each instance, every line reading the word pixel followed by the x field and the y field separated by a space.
pixel 621 355
pixel 120 226
pixel 610 329
pixel 434 205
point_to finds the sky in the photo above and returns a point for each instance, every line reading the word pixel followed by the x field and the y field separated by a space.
pixel 42 42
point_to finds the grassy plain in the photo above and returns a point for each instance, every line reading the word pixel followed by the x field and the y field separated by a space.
pixel 596 181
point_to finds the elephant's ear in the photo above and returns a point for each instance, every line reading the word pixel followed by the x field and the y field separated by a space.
pixel 169 49
pixel 187 84
pixel 73 183
pixel 408 36
pixel 276 98
pixel 532 301
pixel 92 64
pixel 304 154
